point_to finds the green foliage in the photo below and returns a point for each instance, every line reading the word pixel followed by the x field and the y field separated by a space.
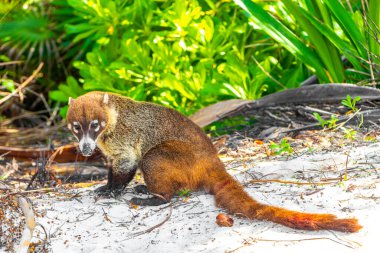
pixel 70 89
pixel 187 54
pixel 282 147
pixel 228 126
pixel 8 84
pixel 319 32
pixel 351 103
pixel 182 54
pixel 372 22
pixel 184 193
pixel 33 32
pixel 330 123
pixel 28 34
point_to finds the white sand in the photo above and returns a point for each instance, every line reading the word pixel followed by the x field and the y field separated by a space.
pixel 109 225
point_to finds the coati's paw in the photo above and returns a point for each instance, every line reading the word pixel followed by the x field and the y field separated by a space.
pixel 107 191
pixel 141 189
pixel 103 190
pixel 153 201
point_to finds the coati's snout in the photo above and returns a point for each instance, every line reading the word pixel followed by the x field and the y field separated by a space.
pixel 87 121
pixel 86 149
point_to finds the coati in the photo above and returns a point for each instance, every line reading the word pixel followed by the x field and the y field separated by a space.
pixel 173 153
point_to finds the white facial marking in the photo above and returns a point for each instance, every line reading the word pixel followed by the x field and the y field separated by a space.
pixel 95 122
pixel 69 126
pixel 103 123
pixel 75 123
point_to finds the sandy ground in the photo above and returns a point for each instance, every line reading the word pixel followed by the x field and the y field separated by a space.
pixel 79 222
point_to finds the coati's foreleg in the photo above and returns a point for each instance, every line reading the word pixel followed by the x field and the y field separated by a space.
pixel 105 190
pixel 119 176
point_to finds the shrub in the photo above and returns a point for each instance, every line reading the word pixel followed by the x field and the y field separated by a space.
pixel 183 54
pixel 319 32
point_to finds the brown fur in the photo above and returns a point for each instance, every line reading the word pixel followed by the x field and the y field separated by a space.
pixel 173 153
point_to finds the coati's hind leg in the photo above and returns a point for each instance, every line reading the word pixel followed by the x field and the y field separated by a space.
pixel 167 168
pixel 143 189
pixel 152 201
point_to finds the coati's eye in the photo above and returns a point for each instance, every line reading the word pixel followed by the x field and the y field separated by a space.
pixel 76 127
pixel 95 124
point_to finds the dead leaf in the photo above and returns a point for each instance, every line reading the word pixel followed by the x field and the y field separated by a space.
pixel 224 220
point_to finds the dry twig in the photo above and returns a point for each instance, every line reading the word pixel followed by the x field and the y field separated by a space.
pixel 30 191
pixel 288 182
pixel 349 244
pixel 155 226
pixel 10 63
pixel 23 85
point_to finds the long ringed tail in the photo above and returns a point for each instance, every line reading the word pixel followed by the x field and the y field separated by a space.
pixel 229 194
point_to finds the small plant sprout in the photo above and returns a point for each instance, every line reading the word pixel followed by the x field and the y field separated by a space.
pixel 351 103
pixel 330 123
pixel 321 121
pixel 184 192
pixel 349 133
pixel 282 147
pixel 370 138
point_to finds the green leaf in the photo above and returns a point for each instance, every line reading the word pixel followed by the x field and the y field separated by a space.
pixel 374 29
pixel 348 25
pixel 59 96
pixel 283 35
pixel 326 51
pixel 347 49
pixel 8 84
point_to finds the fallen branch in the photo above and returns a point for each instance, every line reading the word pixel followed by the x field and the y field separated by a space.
pixel 68 153
pixel 74 169
pixel 30 224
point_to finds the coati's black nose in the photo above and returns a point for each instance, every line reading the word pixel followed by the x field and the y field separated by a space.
pixel 86 151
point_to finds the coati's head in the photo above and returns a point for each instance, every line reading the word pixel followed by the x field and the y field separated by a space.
pixel 87 119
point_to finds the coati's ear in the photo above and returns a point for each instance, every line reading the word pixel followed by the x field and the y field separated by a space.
pixel 105 98
pixel 71 100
